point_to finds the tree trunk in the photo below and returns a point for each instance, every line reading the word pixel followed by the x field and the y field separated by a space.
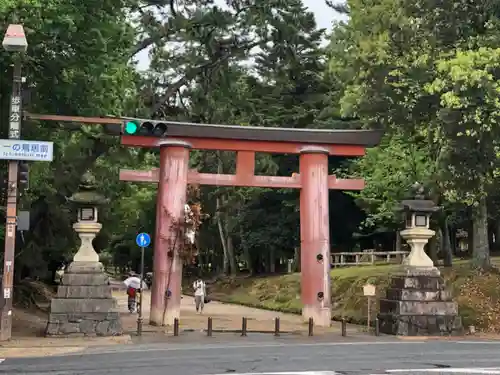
pixel 446 243
pixel 480 250
pixel 491 234
pixel 453 240
pixel 398 241
pixel 497 234
pixel 230 248
pixel 296 260
pixel 225 259
pixel 470 232
pixel 272 261
pixel 230 255
pixel 246 252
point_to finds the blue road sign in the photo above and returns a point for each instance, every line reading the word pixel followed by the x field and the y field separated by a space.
pixel 143 240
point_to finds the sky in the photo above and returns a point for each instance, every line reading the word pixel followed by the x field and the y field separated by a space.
pixel 324 18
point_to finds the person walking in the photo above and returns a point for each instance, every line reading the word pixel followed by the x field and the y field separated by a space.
pixel 134 287
pixel 200 292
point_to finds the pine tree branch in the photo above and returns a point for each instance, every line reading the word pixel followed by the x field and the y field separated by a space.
pixel 192 73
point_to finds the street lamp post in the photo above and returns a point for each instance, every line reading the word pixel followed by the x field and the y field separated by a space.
pixel 15 42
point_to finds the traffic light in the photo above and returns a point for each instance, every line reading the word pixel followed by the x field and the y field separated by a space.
pixel 23 175
pixel 144 127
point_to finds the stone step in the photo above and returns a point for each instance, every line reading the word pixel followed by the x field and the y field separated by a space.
pixel 97 324
pixel 78 317
pixel 82 305
pixel 85 279
pixel 423 282
pixel 85 267
pixel 420 325
pixel 418 307
pixel 418 295
pixel 84 291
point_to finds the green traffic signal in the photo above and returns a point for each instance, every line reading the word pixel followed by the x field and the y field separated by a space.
pixel 131 127
pixel 149 128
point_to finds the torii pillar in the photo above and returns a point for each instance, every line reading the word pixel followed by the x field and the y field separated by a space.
pixel 315 236
pixel 174 163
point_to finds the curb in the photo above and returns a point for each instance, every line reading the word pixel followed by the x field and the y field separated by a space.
pixel 39 352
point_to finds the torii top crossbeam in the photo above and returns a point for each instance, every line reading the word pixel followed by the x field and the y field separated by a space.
pixel 246 141
pixel 262 139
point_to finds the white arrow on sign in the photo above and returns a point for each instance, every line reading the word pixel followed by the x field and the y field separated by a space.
pixel 143 239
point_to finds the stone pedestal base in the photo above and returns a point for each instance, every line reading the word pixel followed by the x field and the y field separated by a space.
pixel 417 304
pixel 84 304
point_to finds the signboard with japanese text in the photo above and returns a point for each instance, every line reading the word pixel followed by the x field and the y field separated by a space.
pixel 15 117
pixel 369 290
pixel 13 149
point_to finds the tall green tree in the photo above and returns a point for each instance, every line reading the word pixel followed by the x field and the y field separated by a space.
pixel 68 73
pixel 390 55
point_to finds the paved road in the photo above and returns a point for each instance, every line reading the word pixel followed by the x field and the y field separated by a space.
pixel 266 356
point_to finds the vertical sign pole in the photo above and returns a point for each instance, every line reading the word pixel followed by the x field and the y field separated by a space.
pixel 139 318
pixel 11 217
pixel 369 314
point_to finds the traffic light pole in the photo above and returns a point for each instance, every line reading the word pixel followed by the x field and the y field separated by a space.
pixel 15 115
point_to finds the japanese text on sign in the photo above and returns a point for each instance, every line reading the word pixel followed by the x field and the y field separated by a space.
pixel 26 150
pixel 15 117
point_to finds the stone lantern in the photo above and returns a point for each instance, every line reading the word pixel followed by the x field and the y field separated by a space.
pixel 87 200
pixel 417 302
pixel 417 213
pixel 84 304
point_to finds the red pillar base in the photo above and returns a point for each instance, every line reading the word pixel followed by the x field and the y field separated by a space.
pixel 315 236
pixel 322 316
pixel 167 267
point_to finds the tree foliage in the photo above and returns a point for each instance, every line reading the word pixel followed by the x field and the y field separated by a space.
pixel 426 72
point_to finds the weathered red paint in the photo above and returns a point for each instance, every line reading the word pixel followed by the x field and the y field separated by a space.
pixel 167 268
pixel 293 182
pixel 239 145
pixel 315 237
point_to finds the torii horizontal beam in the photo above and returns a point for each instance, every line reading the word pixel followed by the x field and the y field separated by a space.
pixel 196 178
pixel 241 145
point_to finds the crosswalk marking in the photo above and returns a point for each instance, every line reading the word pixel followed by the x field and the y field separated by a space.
pixel 456 370
pixel 286 373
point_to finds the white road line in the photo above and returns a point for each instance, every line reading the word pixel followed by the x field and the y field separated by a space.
pixel 479 342
pixel 285 373
pixel 163 348
pixel 2 359
pixel 473 370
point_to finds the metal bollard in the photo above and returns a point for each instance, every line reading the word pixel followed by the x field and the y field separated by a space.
pixel 243 326
pixel 209 326
pixel 377 326
pixel 276 326
pixel 344 328
pixel 176 327
pixel 311 327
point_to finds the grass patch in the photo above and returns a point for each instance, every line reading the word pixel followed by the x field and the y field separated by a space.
pixel 477 294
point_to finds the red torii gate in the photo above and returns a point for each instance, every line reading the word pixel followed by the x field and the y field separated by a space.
pixel 313 146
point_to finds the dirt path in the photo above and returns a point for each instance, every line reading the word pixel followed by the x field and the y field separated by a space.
pixel 224 316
